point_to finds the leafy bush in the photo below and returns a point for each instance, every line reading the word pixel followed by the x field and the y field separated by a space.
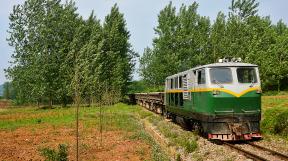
pixel 53 155
pixel 281 124
pixel 275 121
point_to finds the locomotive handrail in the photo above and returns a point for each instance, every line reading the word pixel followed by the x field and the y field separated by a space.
pixel 250 111
pixel 232 111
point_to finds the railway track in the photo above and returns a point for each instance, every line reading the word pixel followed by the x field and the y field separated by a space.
pixel 254 156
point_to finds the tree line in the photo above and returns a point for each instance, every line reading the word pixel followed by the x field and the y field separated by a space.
pixel 185 39
pixel 58 53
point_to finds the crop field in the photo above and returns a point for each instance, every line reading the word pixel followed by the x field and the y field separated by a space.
pixel 25 133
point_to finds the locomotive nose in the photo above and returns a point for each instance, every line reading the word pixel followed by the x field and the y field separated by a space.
pixel 235 118
pixel 230 104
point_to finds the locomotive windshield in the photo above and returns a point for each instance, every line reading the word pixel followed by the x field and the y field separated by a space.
pixel 246 75
pixel 221 75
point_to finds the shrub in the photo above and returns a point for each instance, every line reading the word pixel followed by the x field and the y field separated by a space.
pixel 53 155
pixel 275 121
pixel 281 124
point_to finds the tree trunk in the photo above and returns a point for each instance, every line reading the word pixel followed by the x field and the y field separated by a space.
pixel 50 101
pixel 278 85
pixel 89 101
pixel 92 101
pixel 64 101
pixel 38 103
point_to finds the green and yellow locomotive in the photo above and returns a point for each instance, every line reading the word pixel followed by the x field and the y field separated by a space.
pixel 221 100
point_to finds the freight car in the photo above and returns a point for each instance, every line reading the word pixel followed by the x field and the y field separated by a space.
pixel 220 100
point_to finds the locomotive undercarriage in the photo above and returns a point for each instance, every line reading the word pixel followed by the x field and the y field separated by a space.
pixel 235 128
pixel 222 127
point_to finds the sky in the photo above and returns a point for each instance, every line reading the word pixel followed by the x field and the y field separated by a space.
pixel 141 18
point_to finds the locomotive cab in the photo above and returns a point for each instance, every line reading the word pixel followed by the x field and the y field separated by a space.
pixel 236 101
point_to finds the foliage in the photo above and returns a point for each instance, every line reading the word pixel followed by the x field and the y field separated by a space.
pixel 181 42
pixel 275 116
pixel 53 46
pixel 53 155
pixel 8 91
pixel 142 86
pixel 185 39
pixel 281 126
pixel 275 122
pixel 117 60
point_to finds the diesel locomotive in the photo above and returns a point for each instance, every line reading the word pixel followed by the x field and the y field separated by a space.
pixel 221 100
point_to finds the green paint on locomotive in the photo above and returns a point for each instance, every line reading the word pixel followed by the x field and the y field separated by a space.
pixel 207 103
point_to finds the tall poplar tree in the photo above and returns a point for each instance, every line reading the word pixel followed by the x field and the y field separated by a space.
pixel 116 56
pixel 186 39
pixel 40 32
pixel 181 43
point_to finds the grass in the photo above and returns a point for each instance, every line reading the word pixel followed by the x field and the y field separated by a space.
pixel 275 116
pixel 275 93
pixel 127 118
pixel 174 133
pixel 21 117
pixel 119 117
pixel 53 155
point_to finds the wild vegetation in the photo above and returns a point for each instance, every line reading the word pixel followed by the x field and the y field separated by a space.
pixel 55 50
pixel 185 39
pixel 275 116
pixel 44 129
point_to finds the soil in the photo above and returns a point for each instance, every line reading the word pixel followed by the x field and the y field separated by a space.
pixel 5 103
pixel 25 144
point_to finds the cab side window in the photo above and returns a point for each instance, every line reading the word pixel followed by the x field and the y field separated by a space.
pixel 201 76
pixel 176 82
pixel 180 82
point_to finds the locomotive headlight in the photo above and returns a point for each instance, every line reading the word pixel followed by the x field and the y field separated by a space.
pixel 216 92
pixel 259 91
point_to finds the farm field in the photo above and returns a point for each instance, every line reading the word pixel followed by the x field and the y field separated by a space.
pixel 25 132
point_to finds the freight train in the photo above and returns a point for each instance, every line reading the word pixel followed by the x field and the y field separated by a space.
pixel 221 100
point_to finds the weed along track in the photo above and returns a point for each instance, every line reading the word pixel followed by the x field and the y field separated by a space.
pixel 257 152
pixel 171 151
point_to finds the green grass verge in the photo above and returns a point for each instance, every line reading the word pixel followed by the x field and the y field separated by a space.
pixel 174 133
pixel 275 117
pixel 274 93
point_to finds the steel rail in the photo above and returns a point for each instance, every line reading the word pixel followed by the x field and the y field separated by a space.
pixel 246 153
pixel 269 150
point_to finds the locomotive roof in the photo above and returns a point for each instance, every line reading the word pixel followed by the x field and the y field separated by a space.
pixel 226 64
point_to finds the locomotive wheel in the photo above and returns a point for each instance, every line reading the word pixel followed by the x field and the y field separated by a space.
pixel 197 127
pixel 173 117
pixel 165 114
pixel 187 124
